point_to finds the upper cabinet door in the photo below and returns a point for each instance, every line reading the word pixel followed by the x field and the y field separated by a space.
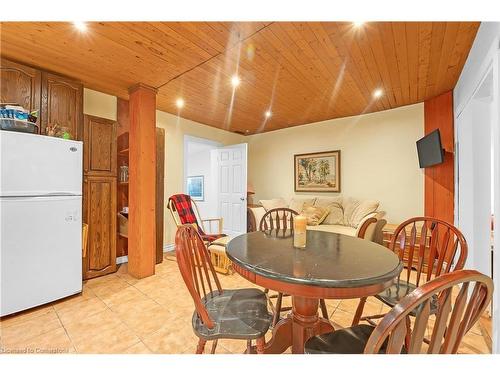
pixel 20 84
pixel 99 146
pixel 62 104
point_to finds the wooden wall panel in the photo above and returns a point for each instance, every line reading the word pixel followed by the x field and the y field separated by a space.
pixel 160 192
pixel 439 179
pixel 122 116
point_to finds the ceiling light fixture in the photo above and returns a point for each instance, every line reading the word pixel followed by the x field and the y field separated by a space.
pixel 80 26
pixel 235 80
pixel 377 93
pixel 179 103
pixel 268 114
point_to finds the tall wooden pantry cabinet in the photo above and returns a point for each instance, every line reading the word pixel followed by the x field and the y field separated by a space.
pixel 99 195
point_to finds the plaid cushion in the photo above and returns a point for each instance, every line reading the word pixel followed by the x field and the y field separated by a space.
pixel 184 208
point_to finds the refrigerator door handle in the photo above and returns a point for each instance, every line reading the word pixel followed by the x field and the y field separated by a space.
pixel 59 194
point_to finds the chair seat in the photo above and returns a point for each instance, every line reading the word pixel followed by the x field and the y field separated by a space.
pixel 237 314
pixel 392 295
pixel 211 237
pixel 343 341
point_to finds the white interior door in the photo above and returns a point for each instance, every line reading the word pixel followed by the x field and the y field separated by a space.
pixel 231 168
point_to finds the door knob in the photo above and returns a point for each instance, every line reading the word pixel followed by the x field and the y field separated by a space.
pixel 242 199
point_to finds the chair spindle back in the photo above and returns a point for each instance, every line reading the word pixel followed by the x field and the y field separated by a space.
pixel 278 219
pixel 196 269
pixel 456 314
pixel 435 241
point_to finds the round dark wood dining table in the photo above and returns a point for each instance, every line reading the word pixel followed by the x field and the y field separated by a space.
pixel 331 265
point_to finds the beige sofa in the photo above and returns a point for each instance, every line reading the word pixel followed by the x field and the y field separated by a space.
pixel 346 215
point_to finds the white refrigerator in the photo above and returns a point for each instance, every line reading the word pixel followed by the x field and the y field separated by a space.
pixel 40 220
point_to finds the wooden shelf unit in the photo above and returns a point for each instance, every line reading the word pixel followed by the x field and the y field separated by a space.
pixel 122 192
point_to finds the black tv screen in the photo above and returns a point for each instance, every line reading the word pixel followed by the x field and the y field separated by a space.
pixel 430 150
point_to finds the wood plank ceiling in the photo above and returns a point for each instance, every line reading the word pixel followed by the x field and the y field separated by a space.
pixel 302 72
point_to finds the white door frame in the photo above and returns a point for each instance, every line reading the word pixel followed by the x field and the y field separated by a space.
pixel 495 133
pixel 491 65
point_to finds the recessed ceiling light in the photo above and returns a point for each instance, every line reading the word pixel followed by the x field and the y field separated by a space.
pixel 80 26
pixel 235 80
pixel 377 93
pixel 268 114
pixel 179 103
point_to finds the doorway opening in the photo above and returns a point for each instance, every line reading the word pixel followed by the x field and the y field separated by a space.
pixel 215 176
pixel 199 178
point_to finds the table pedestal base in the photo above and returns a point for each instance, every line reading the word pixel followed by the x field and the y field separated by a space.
pixel 298 327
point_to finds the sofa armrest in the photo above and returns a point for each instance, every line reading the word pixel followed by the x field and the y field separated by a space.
pixel 371 227
pixel 254 215
pixel 251 224
pixel 362 222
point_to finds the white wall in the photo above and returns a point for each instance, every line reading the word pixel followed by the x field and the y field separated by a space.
pixel 483 58
pixel 378 158
pixel 198 163
pixel 175 130
pixel 98 104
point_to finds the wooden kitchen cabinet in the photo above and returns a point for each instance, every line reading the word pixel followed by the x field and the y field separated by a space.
pixel 58 99
pixel 100 195
pixel 100 146
pixel 99 211
pixel 20 84
pixel 62 103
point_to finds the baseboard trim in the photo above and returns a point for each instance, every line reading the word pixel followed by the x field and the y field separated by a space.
pixel 166 248
pixel 123 259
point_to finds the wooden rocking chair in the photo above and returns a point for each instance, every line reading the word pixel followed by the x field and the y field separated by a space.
pixel 185 211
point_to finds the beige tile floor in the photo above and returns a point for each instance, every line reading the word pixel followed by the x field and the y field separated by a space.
pixel 119 314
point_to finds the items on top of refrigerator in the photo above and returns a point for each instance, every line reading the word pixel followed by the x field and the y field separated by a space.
pixel 16 118
pixel 17 112
pixel 55 130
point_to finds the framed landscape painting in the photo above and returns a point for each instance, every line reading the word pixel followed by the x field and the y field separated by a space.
pixel 195 187
pixel 318 172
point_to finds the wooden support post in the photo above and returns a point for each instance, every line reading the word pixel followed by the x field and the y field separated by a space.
pixel 142 181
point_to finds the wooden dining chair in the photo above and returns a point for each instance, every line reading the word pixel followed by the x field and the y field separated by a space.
pixel 462 298
pixel 279 220
pixel 240 314
pixel 428 247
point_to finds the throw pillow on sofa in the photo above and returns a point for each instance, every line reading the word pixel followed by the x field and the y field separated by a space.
pixel 355 211
pixel 314 215
pixel 269 204
pixel 298 204
pixel 334 206
pixel 364 208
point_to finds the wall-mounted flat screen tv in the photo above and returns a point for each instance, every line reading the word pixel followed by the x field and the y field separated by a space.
pixel 430 150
